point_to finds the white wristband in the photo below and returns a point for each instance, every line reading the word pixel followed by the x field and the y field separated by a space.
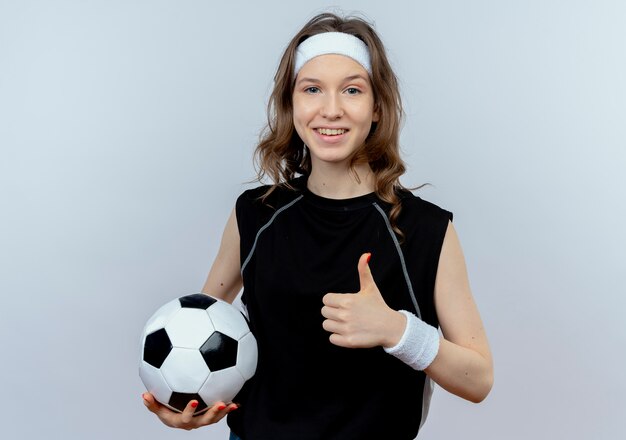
pixel 418 345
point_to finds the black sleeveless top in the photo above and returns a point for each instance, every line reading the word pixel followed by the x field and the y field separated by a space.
pixel 296 247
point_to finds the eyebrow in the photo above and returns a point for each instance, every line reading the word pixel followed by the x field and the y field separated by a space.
pixel 347 78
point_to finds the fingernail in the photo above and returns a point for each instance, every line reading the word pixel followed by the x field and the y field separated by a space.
pixel 221 407
pixel 369 255
pixel 194 404
pixel 233 408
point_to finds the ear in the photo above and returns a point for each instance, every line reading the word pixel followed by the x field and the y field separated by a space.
pixel 376 114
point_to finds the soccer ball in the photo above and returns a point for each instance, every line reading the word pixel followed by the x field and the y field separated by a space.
pixel 196 347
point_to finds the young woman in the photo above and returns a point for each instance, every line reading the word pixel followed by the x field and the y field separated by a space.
pixel 346 275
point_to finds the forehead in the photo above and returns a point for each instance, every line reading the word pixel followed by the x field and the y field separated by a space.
pixel 331 66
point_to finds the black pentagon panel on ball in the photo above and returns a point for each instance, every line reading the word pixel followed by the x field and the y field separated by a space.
pixel 197 301
pixel 156 348
pixel 219 351
pixel 180 401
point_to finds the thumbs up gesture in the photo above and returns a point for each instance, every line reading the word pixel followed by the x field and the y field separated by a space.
pixel 362 319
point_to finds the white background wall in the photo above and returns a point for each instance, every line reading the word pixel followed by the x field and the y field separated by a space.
pixel 126 133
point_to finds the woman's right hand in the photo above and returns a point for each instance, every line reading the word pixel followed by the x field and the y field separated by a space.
pixel 186 419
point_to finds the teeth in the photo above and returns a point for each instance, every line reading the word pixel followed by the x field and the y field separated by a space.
pixel 331 132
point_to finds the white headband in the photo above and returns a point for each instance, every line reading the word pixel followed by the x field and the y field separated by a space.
pixel 337 43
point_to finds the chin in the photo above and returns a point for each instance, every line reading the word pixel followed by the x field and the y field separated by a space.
pixel 328 155
pixel 331 159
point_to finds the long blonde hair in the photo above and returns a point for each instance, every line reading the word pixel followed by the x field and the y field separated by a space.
pixel 281 155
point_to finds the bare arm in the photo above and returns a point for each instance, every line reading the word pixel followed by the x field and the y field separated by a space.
pixel 463 365
pixel 224 279
pixel 224 282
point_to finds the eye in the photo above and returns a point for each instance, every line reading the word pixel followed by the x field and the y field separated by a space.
pixel 312 90
pixel 352 91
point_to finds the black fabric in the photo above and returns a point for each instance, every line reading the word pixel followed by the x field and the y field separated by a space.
pixel 305 387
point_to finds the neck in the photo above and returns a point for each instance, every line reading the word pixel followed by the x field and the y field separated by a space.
pixel 341 183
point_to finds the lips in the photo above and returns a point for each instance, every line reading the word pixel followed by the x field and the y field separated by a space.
pixel 331 131
pixel 331 136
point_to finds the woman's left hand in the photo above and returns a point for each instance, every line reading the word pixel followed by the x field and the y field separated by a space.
pixel 362 319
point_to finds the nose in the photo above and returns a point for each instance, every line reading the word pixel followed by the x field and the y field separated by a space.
pixel 332 108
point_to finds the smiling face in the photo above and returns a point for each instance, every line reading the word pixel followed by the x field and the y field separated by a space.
pixel 333 108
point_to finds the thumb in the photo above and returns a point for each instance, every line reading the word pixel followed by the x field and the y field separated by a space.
pixel 365 275
pixel 149 401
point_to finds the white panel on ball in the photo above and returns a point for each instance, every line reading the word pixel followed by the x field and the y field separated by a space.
pixel 222 385
pixel 189 328
pixel 228 320
pixel 155 382
pixel 247 355
pixel 192 363
pixel 161 317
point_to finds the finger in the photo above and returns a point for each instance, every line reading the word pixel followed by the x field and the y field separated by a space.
pixel 333 299
pixel 338 340
pixel 214 414
pixel 187 414
pixel 332 326
pixel 365 274
pixel 331 313
pixel 150 402
pixel 161 411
